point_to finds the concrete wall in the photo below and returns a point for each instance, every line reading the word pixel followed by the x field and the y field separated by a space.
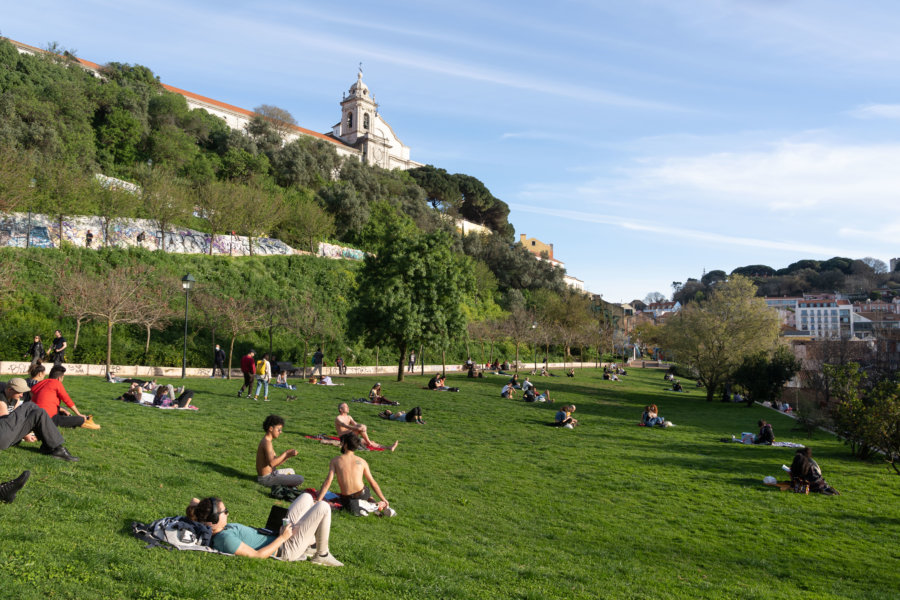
pixel 20 369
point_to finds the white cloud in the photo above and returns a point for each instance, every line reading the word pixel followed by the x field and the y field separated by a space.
pixel 877 111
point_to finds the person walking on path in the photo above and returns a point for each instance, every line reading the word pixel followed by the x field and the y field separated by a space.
pixel 35 351
pixel 58 348
pixel 248 369
pixel 218 362
pixel 317 360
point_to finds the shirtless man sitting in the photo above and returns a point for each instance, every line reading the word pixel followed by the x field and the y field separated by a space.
pixel 266 460
pixel 350 470
pixel 344 423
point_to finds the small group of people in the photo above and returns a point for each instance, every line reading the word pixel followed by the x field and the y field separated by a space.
pixel 438 384
pixel 57 352
pixel 155 394
pixel 256 370
pixel 26 421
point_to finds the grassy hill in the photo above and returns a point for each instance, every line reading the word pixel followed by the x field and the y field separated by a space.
pixel 492 502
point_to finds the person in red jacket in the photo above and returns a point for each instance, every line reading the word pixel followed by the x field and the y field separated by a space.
pixel 248 368
pixel 50 393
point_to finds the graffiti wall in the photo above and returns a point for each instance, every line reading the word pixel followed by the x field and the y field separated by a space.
pixel 22 230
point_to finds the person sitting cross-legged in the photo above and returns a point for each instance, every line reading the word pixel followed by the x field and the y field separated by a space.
pixel 564 417
pixel 305 536
pixel 267 460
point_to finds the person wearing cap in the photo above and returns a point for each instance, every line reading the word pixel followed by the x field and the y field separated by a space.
pixel 15 425
pixel 49 394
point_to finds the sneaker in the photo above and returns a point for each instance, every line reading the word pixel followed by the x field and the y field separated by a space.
pixel 265 399
pixel 389 512
pixel 9 489
pixel 240 394
pixel 327 560
pixel 256 397
pixel 61 453
pixel 89 423
pixel 310 551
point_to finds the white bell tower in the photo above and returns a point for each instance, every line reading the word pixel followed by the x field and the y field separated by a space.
pixel 358 112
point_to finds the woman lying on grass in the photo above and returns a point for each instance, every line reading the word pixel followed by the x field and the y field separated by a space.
pixel 305 535
pixel 412 416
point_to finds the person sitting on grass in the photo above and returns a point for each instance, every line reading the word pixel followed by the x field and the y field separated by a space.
pixel 514 382
pixel 508 392
pixel 344 423
pixel 50 393
pixel 436 384
pixel 282 382
pixel 676 386
pixel 266 460
pixel 306 534
pixel 375 396
pixel 36 374
pixel 806 472
pixel 564 417
pixel 766 434
pixel 29 422
pixel 414 415
pixel 651 418
pixel 350 471
pixel 571 372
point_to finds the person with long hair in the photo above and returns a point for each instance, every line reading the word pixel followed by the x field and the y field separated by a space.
pixel 806 474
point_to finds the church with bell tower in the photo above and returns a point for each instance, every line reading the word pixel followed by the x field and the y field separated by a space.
pixel 362 127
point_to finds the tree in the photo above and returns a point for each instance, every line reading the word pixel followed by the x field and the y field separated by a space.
pixel 155 312
pixel 218 205
pixel 110 204
pixel 654 297
pixel 16 171
pixel 518 326
pixel 714 336
pixel 764 374
pixel 114 298
pixel 877 265
pixel 60 190
pixel 256 211
pixel 281 120
pixel 411 294
pixel 164 199
pixel 73 291
pixel 238 316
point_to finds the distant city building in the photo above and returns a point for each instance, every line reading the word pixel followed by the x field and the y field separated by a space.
pixel 544 251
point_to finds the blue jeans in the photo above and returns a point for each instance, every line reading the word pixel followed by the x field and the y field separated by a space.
pixel 259 384
pixel 654 421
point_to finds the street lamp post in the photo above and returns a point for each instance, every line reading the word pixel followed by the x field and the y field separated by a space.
pixel 187 282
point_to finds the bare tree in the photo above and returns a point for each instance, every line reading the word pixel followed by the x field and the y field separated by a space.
pixel 155 312
pixel 74 294
pixel 114 298
pixel 518 326
pixel 238 316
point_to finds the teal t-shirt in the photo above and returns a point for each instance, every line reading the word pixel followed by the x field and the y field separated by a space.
pixel 229 539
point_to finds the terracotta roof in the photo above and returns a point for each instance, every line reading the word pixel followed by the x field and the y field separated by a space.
pixel 248 113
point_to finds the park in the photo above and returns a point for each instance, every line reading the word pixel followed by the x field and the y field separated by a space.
pixel 492 502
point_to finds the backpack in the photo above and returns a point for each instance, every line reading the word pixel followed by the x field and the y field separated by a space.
pixel 261 367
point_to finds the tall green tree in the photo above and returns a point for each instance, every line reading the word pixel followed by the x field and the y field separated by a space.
pixel 764 374
pixel 411 293
pixel 714 336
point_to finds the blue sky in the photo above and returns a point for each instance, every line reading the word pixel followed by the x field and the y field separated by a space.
pixel 648 140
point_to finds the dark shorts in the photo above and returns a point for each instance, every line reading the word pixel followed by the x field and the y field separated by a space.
pixel 362 494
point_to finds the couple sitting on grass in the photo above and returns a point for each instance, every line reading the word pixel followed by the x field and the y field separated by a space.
pixel 651 418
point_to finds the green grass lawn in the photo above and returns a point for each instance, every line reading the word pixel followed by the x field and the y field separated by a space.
pixel 492 502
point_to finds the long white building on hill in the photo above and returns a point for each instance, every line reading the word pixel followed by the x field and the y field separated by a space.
pixel 361 132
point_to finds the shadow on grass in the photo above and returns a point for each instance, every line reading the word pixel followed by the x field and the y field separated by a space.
pixel 222 469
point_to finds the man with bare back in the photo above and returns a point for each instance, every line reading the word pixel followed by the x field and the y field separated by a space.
pixel 267 460
pixel 350 471
pixel 344 423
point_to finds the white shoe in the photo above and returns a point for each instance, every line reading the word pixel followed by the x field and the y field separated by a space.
pixel 328 560
pixel 389 512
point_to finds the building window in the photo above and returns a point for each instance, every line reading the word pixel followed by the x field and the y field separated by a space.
pixel 532 243
pixel 366 121
pixel 350 120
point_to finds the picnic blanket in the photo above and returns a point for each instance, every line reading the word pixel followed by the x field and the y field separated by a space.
pixel 335 441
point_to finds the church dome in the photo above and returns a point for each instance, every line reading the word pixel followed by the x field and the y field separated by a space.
pixel 359 88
